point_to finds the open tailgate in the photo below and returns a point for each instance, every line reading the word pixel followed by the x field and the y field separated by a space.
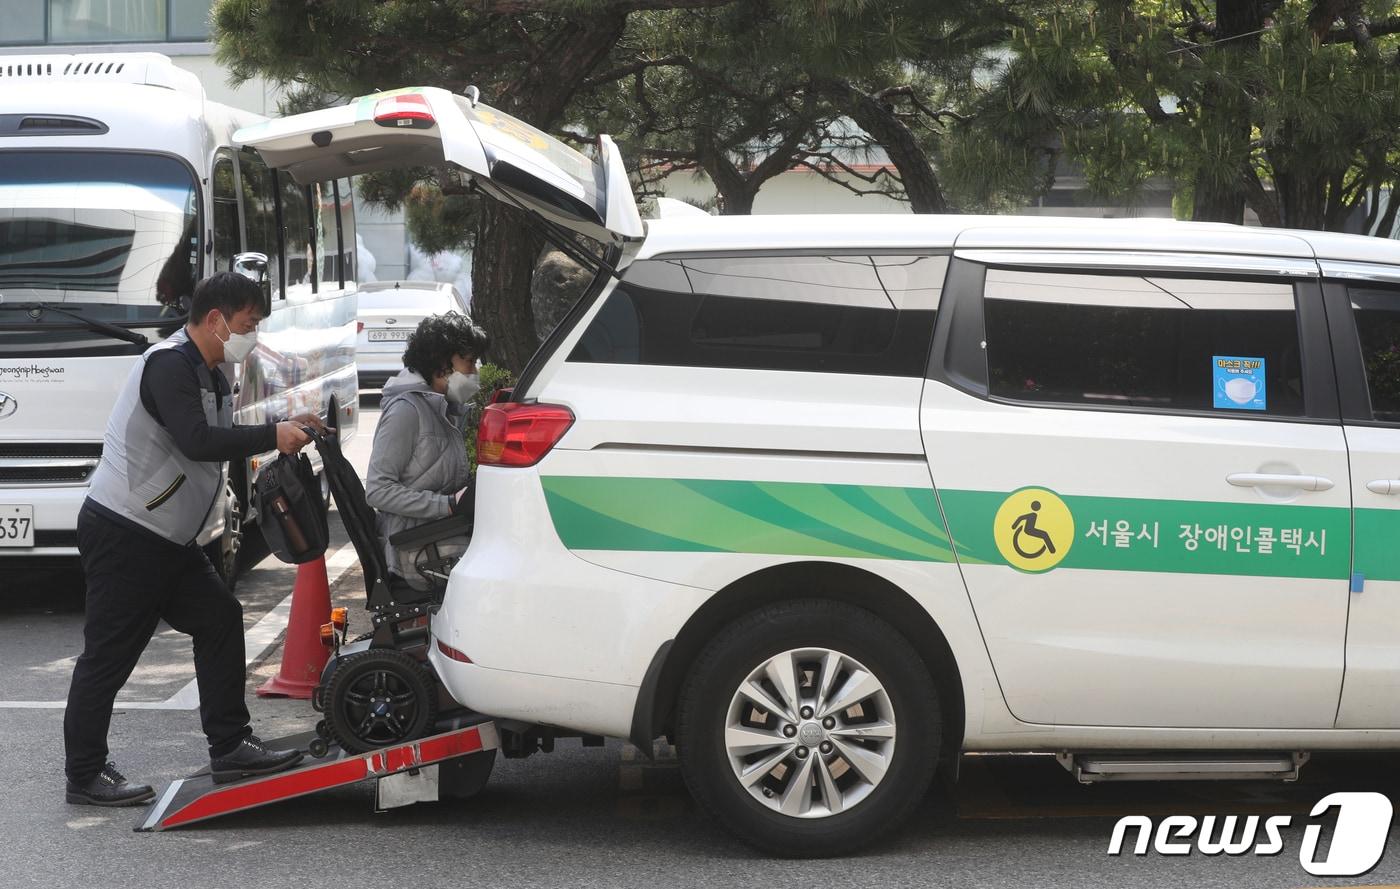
pixel 425 126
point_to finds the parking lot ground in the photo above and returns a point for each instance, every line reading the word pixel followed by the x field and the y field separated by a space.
pixel 576 817
pixel 587 817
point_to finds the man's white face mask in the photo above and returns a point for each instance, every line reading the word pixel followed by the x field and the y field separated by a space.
pixel 462 387
pixel 238 346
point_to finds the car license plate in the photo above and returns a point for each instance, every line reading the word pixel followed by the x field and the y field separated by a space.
pixel 384 336
pixel 16 525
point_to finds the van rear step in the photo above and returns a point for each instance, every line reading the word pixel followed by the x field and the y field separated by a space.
pixel 1092 768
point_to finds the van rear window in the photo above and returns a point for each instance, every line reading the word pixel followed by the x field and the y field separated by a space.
pixel 832 314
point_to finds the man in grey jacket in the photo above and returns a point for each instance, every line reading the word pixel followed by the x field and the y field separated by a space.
pixel 162 472
pixel 418 470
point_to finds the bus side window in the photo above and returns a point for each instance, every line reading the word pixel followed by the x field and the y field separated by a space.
pixel 227 238
pixel 349 255
pixel 327 237
pixel 260 215
pixel 296 230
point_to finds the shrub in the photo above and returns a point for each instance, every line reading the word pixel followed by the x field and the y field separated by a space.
pixel 493 379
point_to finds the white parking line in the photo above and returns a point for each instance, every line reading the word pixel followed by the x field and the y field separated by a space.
pixel 260 637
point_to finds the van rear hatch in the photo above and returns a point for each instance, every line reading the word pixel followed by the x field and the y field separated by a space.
pixel 425 126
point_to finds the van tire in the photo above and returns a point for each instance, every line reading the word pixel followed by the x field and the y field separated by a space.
pixel 709 698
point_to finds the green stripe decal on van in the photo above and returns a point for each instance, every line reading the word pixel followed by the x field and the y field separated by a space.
pixel 782 518
pixel 1378 543
pixel 865 521
pixel 1175 536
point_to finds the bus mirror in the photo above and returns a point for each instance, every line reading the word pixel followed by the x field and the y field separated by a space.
pixel 253 266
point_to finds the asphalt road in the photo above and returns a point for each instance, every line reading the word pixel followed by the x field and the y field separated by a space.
pixel 577 817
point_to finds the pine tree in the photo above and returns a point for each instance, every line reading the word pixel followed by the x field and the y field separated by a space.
pixel 1291 107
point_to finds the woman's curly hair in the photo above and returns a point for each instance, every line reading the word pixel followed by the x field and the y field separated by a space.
pixel 439 337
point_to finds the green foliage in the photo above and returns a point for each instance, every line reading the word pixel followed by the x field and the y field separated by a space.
pixel 440 221
pixel 493 379
pixel 1277 104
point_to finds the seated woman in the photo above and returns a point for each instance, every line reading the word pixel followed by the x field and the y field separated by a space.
pixel 418 470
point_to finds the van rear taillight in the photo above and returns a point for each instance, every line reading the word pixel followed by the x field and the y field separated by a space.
pixel 409 110
pixel 520 434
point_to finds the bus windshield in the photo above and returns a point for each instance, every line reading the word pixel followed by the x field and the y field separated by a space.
pixel 112 234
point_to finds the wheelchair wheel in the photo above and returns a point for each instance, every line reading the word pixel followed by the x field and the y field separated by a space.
pixel 377 698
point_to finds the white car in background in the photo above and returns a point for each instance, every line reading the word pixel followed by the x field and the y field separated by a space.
pixel 389 312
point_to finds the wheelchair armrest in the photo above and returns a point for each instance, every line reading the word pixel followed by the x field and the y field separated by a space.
pixel 452 526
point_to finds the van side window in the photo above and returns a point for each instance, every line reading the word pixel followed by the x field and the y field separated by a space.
pixel 1377 314
pixel 835 314
pixel 1123 340
pixel 296 228
pixel 224 216
pixel 260 215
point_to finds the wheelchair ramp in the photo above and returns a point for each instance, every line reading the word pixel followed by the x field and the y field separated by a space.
pixel 198 798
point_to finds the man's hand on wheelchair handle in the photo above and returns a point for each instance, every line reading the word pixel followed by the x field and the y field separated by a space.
pixel 291 438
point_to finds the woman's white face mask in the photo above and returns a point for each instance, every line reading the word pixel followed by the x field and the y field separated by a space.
pixel 461 388
pixel 238 346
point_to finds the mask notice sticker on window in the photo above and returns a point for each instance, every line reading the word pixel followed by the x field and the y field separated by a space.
pixel 1239 383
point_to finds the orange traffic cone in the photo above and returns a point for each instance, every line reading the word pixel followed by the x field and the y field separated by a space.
pixel 303 656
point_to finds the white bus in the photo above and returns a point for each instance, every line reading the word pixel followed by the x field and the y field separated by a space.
pixel 120 187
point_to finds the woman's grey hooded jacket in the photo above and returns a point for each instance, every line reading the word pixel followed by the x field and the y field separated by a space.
pixel 418 463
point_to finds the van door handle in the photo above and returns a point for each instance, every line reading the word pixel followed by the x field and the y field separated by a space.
pixel 1384 486
pixel 1279 480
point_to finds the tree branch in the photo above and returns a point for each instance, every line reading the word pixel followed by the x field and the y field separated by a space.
pixel 572 9
pixel 833 161
pixel 916 173
pixel 1265 205
pixel 908 92
pixel 635 68
pixel 829 176
pixel 1360 32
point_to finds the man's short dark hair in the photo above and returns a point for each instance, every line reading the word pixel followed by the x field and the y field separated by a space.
pixel 229 292
pixel 438 338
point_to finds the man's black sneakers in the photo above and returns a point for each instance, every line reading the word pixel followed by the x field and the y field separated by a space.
pixel 109 788
pixel 249 759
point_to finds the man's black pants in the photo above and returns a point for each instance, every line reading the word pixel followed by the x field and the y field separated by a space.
pixel 134 580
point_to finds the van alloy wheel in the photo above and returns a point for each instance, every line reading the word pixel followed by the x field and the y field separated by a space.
pixel 810 732
pixel 809 728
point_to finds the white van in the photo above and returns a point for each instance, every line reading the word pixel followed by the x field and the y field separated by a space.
pixel 120 187
pixel 833 500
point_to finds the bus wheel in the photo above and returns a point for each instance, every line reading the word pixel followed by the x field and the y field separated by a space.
pixel 809 728
pixel 224 551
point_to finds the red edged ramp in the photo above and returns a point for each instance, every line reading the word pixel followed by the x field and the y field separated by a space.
pixel 198 798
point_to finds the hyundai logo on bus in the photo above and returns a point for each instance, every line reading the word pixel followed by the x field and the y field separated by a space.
pixel 8 405
pixel 1358 837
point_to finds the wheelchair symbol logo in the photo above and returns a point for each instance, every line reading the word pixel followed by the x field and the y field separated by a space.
pixel 1033 529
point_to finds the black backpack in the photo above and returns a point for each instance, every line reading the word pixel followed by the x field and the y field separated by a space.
pixel 291 513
